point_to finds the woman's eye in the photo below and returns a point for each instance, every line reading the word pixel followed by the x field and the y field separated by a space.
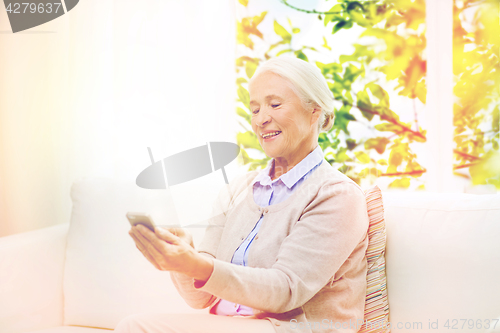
pixel 275 105
pixel 255 111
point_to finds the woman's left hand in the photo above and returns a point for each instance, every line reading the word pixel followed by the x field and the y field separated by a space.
pixel 168 252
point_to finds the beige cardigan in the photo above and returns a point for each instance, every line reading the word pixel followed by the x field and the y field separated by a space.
pixel 306 267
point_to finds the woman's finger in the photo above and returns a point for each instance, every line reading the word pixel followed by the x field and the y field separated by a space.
pixel 139 238
pixel 182 234
pixel 145 252
pixel 161 247
pixel 156 247
pixel 167 235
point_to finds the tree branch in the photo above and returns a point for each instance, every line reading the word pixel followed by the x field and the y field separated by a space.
pixel 314 11
pixel 456 167
pixel 415 113
pixel 411 173
pixel 392 121
pixel 470 157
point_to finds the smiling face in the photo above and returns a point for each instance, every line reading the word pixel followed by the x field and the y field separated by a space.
pixel 276 109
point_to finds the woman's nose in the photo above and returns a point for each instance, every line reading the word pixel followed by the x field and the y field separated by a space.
pixel 262 118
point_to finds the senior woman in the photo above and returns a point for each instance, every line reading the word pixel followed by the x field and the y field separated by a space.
pixel 287 256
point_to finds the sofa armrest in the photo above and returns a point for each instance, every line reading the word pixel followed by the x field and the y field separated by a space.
pixel 31 276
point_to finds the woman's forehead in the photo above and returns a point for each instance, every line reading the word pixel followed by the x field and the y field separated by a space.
pixel 269 85
pixel 267 98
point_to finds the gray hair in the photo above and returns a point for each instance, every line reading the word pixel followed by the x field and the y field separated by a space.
pixel 308 84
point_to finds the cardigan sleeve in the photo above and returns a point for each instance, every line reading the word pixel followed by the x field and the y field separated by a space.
pixel 197 299
pixel 330 228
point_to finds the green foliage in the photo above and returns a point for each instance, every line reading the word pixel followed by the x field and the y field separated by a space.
pixel 476 67
pixel 391 50
pixel 396 28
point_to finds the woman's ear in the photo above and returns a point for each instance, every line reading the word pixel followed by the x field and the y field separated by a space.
pixel 316 113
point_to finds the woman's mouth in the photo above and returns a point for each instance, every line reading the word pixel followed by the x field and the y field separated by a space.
pixel 270 136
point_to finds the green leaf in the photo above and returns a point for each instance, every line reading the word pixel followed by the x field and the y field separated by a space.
pixel 338 26
pixel 400 183
pixel 364 104
pixel 341 155
pixel 386 114
pixel 329 68
pixel 243 2
pixel 495 124
pixel 283 51
pixel 325 44
pixel 388 127
pixel 351 144
pixel 244 158
pixel 248 140
pixel 342 119
pixel 301 55
pixel 379 144
pixel 241 60
pixel 362 157
pixel 487 170
pixel 242 113
pixel 275 44
pixel 241 80
pixel 250 68
pixel 421 91
pixel 351 72
pixel 380 93
pixel 337 9
pixel 359 18
pixel 282 32
pixel 395 158
pixel 355 4
pixel 258 19
pixel 244 96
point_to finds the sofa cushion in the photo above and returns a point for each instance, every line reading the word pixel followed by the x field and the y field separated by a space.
pixel 442 257
pixel 71 329
pixel 106 277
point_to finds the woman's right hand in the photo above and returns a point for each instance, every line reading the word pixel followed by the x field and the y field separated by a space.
pixel 172 250
pixel 183 234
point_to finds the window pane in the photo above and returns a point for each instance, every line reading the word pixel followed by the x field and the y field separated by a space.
pixel 476 46
pixel 372 55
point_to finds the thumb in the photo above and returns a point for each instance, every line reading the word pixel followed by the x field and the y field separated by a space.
pixel 166 235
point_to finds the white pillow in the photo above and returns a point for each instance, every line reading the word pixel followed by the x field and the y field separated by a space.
pixel 106 277
pixel 442 260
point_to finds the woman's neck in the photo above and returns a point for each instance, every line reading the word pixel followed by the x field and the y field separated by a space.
pixel 277 172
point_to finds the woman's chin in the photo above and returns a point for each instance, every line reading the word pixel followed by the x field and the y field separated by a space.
pixel 271 153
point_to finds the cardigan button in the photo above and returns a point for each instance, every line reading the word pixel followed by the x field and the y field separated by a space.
pixel 278 323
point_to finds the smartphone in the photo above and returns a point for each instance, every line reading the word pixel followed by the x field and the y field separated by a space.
pixel 141 218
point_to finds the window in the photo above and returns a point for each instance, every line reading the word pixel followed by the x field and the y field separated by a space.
pixel 393 68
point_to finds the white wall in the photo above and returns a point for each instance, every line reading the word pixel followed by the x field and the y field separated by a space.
pixel 86 94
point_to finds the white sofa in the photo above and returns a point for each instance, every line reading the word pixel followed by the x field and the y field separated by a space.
pixel 443 264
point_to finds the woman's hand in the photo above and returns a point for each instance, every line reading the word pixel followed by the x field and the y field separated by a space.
pixel 181 233
pixel 169 252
